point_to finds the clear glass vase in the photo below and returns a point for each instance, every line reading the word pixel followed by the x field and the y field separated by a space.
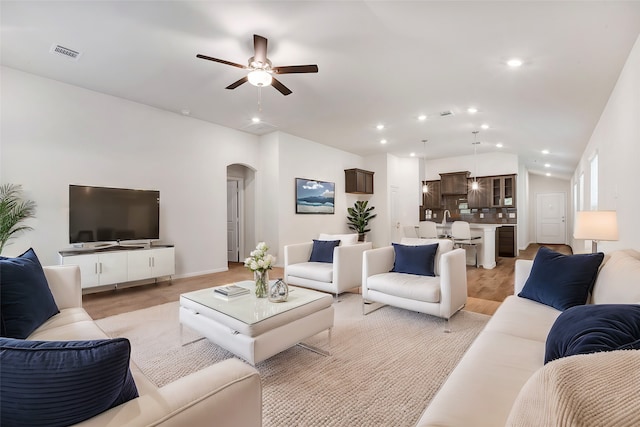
pixel 278 291
pixel 262 283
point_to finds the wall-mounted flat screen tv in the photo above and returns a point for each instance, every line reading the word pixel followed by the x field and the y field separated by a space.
pixel 101 214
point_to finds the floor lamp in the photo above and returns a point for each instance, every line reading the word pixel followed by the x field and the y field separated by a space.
pixel 596 226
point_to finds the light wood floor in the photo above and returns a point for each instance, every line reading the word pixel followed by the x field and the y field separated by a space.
pixel 486 288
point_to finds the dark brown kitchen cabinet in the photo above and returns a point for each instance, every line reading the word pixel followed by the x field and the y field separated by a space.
pixel 453 183
pixel 503 191
pixel 432 199
pixel 358 181
pixel 480 198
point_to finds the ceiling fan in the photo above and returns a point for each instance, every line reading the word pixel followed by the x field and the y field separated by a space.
pixel 262 71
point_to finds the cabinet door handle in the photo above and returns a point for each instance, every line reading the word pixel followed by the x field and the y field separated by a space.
pixel 96 267
pixel 149 261
pixel 153 261
pixel 100 267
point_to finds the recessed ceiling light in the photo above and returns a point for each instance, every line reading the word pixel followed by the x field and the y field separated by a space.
pixel 383 141
pixel 412 154
pixel 514 62
pixel 547 174
pixel 256 120
pixel 472 110
pixel 545 151
pixel 499 145
pixel 547 165
pixel 484 126
pixel 380 126
pixel 185 112
pixel 422 117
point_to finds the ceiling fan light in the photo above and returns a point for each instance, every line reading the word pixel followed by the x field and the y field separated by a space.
pixel 259 78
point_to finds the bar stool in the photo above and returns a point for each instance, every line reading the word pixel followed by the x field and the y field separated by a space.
pixel 461 235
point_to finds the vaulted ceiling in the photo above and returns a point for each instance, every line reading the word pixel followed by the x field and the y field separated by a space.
pixel 380 62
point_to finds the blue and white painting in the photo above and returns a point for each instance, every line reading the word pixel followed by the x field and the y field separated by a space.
pixel 314 197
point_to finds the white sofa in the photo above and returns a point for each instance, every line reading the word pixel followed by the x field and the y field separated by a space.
pixel 343 274
pixel 228 393
pixel 442 295
pixel 482 389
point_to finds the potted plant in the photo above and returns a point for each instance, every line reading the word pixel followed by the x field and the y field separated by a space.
pixel 359 217
pixel 13 211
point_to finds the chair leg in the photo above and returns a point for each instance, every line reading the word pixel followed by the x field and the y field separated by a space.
pixel 447 326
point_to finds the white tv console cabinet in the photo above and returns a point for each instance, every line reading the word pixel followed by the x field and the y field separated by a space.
pixel 120 264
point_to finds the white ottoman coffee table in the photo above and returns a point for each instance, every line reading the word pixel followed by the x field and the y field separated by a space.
pixel 255 328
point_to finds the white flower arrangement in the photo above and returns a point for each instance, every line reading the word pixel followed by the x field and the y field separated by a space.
pixel 259 259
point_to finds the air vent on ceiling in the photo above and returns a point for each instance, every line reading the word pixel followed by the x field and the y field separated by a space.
pixel 446 113
pixel 65 51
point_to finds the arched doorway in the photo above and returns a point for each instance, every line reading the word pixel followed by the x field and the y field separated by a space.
pixel 240 211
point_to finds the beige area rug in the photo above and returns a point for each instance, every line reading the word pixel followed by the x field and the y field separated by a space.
pixel 383 370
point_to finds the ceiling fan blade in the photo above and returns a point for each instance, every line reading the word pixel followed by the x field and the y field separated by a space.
pixel 291 69
pixel 280 87
pixel 222 61
pixel 237 83
pixel 260 48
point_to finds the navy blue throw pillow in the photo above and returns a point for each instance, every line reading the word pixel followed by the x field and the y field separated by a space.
pixel 323 250
pixel 59 383
pixel 591 328
pixel 418 260
pixel 561 281
pixel 25 298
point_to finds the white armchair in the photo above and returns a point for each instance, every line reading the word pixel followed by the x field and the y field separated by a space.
pixel 343 274
pixel 441 296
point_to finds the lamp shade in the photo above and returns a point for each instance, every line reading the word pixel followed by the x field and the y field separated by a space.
pixel 596 225
pixel 259 78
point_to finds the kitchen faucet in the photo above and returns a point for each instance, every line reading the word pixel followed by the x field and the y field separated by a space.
pixel 444 216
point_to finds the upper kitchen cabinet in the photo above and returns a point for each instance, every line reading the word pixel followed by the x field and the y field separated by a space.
pixel 358 181
pixel 503 191
pixel 432 199
pixel 453 183
pixel 480 198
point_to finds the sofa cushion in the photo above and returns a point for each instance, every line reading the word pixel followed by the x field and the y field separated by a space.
pixel 414 259
pixel 345 239
pixel 411 286
pixel 59 383
pixel 318 271
pixel 25 298
pixel 592 328
pixel 619 280
pixel 561 281
pixel 444 246
pixel 322 250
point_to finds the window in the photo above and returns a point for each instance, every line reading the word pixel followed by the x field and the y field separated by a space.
pixel 581 192
pixel 593 189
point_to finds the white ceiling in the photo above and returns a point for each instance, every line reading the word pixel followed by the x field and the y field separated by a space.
pixel 379 62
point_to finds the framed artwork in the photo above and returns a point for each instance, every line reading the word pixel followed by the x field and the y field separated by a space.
pixel 315 197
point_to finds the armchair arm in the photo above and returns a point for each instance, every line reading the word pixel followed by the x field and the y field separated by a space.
pixel 376 261
pixel 453 282
pixel 295 254
pixel 64 282
pixel 522 271
pixel 347 265
pixel 226 394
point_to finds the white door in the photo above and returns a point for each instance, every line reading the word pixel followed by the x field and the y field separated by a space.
pixel 233 254
pixel 551 226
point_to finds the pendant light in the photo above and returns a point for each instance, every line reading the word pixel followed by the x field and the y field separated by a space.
pixel 474 184
pixel 425 186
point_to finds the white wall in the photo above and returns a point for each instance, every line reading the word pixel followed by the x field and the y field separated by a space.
pixel 54 134
pixel 539 184
pixel 300 158
pixel 616 138
pixel 487 164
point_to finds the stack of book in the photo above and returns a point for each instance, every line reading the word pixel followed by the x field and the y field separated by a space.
pixel 230 291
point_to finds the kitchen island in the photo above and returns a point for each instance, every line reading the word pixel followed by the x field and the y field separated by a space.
pixel 486 246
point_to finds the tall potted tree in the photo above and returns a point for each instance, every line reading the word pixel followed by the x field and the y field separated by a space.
pixel 13 212
pixel 358 218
